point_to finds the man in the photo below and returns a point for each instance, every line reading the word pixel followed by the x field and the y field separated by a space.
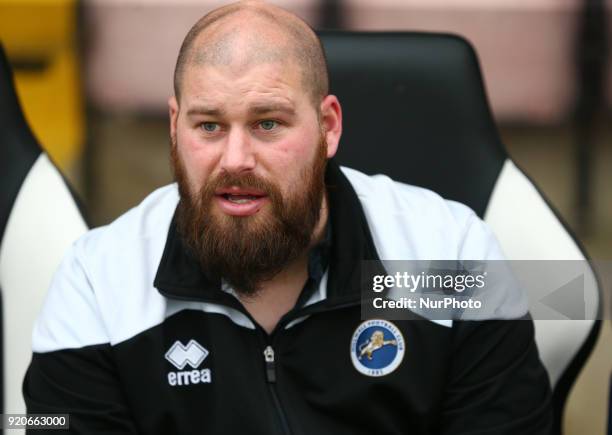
pixel 231 303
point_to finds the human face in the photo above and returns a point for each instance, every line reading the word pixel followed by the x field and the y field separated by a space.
pixel 255 119
pixel 248 157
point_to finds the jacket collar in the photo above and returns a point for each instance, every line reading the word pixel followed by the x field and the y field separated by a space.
pixel 180 277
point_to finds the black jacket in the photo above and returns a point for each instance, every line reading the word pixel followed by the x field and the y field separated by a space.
pixel 134 339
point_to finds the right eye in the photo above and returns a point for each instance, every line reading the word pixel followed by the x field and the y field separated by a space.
pixel 209 127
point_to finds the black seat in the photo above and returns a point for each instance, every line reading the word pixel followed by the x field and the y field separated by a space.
pixel 415 109
pixel 418 97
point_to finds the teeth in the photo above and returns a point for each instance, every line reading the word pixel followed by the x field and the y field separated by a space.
pixel 240 199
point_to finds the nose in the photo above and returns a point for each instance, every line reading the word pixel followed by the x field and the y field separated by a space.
pixel 238 153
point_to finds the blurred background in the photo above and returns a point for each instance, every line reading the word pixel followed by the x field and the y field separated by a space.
pixel 94 77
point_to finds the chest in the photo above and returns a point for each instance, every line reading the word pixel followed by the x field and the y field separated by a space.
pixel 330 373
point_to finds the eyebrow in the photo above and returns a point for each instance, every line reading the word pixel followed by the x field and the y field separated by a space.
pixel 261 109
pixel 205 110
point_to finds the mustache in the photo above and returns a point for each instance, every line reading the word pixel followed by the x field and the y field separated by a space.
pixel 246 180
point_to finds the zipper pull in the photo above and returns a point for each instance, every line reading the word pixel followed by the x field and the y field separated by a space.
pixel 270 369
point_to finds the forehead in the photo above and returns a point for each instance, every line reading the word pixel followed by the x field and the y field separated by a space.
pixel 239 85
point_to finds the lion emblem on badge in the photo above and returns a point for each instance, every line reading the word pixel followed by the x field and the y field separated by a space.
pixel 376 341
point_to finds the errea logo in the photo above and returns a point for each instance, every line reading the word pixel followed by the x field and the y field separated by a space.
pixel 193 355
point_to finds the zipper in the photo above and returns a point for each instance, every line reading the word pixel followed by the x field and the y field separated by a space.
pixel 270 368
pixel 271 381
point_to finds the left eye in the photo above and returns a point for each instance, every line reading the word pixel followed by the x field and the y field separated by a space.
pixel 268 124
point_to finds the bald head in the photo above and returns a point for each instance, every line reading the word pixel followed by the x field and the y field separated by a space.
pixel 249 33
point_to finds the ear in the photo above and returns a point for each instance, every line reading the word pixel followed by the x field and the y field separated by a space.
pixel 173 110
pixel 331 122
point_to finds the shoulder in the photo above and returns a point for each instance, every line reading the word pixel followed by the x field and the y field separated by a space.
pixel 115 251
pixel 410 222
pixel 139 223
pixel 81 306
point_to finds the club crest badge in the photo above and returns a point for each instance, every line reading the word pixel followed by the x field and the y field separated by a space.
pixel 377 347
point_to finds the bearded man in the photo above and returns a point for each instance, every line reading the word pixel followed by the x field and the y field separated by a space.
pixel 229 302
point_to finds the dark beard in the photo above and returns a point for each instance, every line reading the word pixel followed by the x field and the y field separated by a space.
pixel 247 251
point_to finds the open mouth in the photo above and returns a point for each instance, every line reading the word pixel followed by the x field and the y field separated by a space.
pixel 240 199
pixel 237 201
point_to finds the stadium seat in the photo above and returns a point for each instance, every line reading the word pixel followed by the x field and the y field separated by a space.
pixel 415 109
pixel 39 219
